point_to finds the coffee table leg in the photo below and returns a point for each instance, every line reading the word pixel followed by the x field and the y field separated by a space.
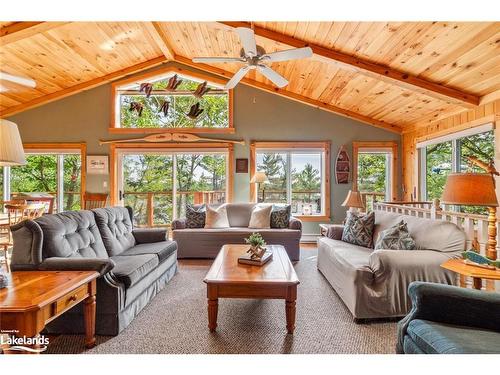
pixel 89 307
pixel 213 307
pixel 290 308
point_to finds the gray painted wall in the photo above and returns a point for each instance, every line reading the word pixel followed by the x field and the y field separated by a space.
pixel 258 116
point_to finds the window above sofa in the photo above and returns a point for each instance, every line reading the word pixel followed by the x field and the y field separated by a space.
pixel 298 174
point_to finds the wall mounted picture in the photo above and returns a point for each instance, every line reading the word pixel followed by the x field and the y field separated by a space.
pixel 97 164
pixel 241 165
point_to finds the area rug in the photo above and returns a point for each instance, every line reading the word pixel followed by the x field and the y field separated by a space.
pixel 175 322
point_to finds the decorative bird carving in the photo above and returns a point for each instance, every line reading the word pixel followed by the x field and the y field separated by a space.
pixel 201 90
pixel 146 88
pixel 137 107
pixel 194 111
pixel 164 107
pixel 173 83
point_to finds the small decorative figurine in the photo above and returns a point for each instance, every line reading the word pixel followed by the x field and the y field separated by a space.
pixel 194 111
pixel 173 83
pixel 201 90
pixel 164 107
pixel 475 259
pixel 137 107
pixel 146 88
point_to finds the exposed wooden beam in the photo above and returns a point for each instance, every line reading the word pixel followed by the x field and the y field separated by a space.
pixel 82 86
pixel 21 30
pixel 156 32
pixel 291 95
pixel 370 69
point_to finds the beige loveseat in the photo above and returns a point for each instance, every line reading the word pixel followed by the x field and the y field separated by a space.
pixel 206 243
pixel 374 283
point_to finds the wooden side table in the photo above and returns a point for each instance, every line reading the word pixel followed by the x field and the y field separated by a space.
pixel 34 298
pixel 477 273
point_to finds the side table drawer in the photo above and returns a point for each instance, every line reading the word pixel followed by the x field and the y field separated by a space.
pixel 71 299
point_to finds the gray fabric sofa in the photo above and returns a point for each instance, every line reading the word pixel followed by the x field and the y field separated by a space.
pixel 206 243
pixel 134 264
pixel 447 319
pixel 374 283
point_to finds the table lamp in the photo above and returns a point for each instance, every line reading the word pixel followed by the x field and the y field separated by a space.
pixel 353 201
pixel 11 147
pixel 475 189
pixel 259 178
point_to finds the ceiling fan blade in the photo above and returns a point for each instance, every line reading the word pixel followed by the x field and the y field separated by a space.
pixel 247 38
pixel 17 79
pixel 274 77
pixel 217 59
pixel 289 54
pixel 236 78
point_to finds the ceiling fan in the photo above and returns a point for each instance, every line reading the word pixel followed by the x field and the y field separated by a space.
pixel 23 81
pixel 255 57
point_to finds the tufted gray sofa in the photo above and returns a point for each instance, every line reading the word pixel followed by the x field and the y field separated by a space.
pixel 134 264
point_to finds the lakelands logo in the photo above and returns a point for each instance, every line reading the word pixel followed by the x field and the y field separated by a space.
pixel 36 344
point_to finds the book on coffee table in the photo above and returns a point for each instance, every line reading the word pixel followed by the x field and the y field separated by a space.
pixel 246 259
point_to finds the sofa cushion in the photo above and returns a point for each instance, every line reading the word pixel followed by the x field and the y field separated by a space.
pixel 71 234
pixel 358 229
pixel 395 238
pixel 349 255
pixel 195 216
pixel 261 217
pixel 216 218
pixel 131 269
pixel 433 338
pixel 115 227
pixel 239 214
pixel 280 216
pixel 162 249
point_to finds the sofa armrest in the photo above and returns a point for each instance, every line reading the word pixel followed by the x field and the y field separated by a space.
pixel 295 224
pixel 413 263
pixel 27 250
pixel 149 235
pixel 335 232
pixel 452 305
pixel 101 265
pixel 179 224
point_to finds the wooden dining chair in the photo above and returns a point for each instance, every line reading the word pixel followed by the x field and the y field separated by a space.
pixel 94 200
pixel 16 212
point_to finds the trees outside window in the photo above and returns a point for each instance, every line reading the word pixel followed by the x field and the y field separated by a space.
pixel 438 165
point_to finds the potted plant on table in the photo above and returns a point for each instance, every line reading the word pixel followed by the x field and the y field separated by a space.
pixel 257 246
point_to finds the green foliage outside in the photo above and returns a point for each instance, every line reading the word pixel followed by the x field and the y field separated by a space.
pixel 215 109
pixel 154 174
pixel 372 172
pixel 40 175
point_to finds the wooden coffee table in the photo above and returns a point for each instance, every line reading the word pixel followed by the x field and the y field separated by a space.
pixel 229 279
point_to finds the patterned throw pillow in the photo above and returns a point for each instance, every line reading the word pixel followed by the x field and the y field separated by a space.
pixel 280 216
pixel 195 217
pixel 358 229
pixel 396 238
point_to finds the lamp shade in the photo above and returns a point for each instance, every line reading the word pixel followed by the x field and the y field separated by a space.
pixel 259 177
pixel 11 147
pixel 470 189
pixel 353 200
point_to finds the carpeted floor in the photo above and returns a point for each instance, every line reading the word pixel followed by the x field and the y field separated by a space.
pixel 176 322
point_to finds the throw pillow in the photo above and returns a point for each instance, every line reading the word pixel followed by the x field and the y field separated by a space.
pixel 261 217
pixel 396 238
pixel 216 217
pixel 358 229
pixel 280 216
pixel 195 217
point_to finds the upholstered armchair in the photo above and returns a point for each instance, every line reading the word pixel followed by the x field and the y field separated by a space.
pixel 447 319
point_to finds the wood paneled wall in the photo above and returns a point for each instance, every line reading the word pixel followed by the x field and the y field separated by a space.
pixel 481 115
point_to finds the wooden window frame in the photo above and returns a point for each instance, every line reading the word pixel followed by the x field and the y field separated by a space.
pixel 377 145
pixel 66 146
pixel 114 125
pixel 324 145
pixel 116 147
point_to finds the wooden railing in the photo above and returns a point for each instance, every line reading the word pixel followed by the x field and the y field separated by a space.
pixel 474 226
pixel 369 198
pixel 148 198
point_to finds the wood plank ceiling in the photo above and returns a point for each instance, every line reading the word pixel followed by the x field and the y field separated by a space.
pixel 394 75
